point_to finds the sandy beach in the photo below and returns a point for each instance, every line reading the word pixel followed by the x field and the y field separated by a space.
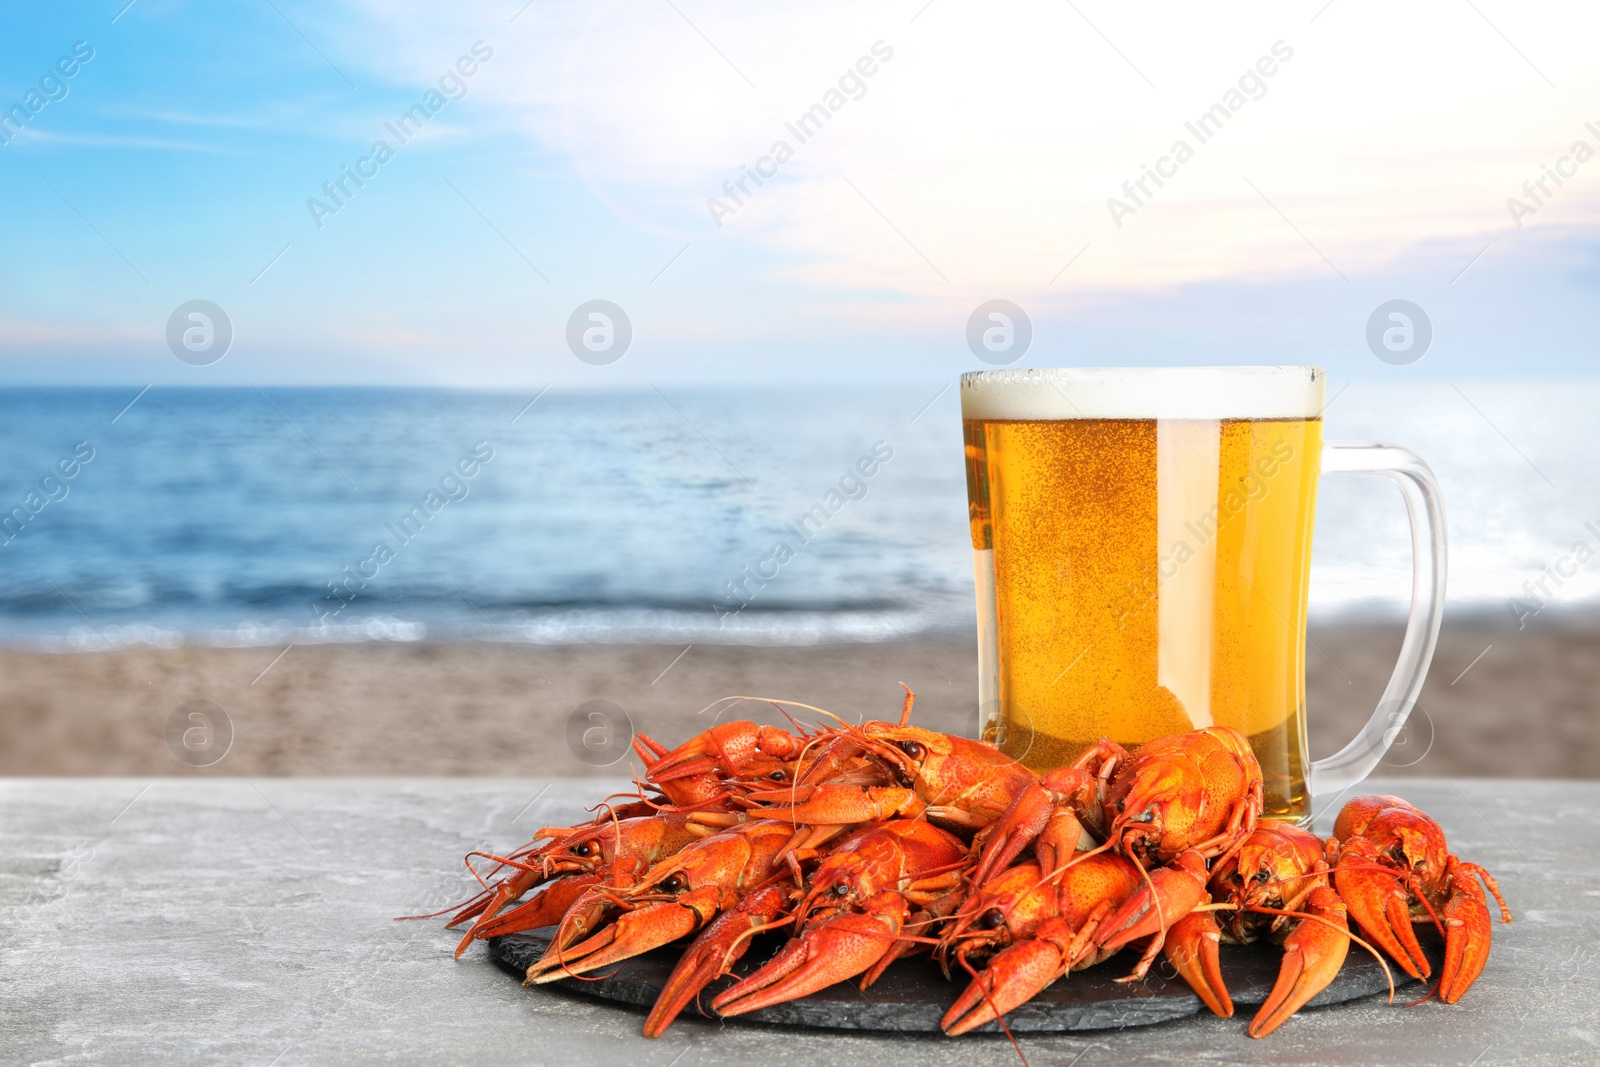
pixel 1526 707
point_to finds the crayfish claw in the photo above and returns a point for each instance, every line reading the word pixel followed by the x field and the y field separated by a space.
pixel 1380 903
pixel 632 934
pixel 1029 815
pixel 1016 975
pixel 546 909
pixel 1172 893
pixel 713 954
pixel 1191 947
pixel 1312 956
pixel 837 948
pixel 1467 934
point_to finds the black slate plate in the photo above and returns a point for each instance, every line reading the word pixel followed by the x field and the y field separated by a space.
pixel 912 995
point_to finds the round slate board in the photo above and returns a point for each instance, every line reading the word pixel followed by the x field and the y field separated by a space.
pixel 913 994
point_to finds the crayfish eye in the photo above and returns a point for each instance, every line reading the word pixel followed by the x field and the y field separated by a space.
pixel 776 776
pixel 1143 816
pixel 583 848
pixel 841 890
pixel 913 749
pixel 676 883
pixel 1262 876
pixel 992 919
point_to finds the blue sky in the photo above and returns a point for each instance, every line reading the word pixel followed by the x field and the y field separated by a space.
pixel 976 161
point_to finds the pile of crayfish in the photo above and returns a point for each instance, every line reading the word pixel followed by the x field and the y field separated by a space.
pixel 872 842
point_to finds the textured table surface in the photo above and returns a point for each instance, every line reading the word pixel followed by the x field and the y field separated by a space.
pixel 247 922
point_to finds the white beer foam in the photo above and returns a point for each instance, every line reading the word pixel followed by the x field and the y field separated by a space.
pixel 1144 393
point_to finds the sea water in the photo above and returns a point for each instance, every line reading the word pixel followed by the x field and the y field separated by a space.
pixel 773 516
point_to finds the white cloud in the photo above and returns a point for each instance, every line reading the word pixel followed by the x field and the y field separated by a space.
pixel 994 136
pixel 97 140
pixel 28 335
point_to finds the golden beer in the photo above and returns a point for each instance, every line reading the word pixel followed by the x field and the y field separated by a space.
pixel 1143 543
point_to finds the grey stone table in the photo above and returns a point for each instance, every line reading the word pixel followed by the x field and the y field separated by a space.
pixel 244 922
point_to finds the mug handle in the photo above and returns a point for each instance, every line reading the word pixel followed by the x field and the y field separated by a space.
pixel 1425 508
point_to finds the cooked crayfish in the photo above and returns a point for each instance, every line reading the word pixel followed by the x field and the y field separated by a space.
pixel 873 842
pixel 1277 886
pixel 675 898
pixel 1391 870
pixel 1170 807
pixel 1394 869
pixel 1038 925
pixel 859 897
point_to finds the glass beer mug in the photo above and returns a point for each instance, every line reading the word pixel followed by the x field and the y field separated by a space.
pixel 1142 541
